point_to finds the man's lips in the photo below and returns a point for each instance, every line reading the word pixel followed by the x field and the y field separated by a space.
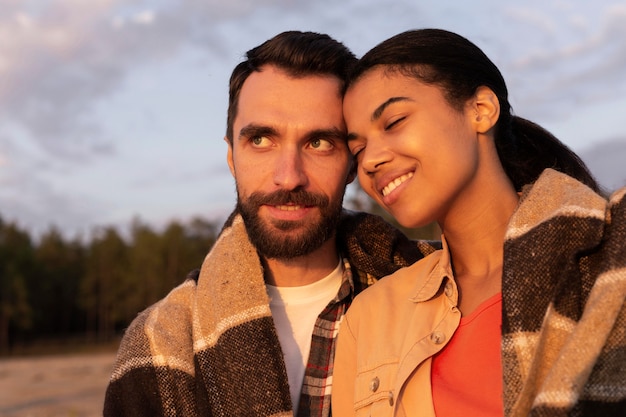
pixel 392 185
pixel 291 212
pixel 290 207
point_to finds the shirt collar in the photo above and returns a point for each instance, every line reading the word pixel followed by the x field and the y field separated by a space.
pixel 347 282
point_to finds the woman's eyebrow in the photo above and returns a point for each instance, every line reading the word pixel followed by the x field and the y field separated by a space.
pixel 380 109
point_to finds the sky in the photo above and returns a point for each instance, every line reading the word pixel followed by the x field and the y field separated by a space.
pixel 115 110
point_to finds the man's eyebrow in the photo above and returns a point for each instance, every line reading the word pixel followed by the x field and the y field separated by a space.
pixel 380 109
pixel 252 130
pixel 331 133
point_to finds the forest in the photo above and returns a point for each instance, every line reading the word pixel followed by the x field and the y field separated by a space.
pixel 58 292
pixel 55 291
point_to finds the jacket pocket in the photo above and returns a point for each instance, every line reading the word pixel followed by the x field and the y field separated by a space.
pixel 374 390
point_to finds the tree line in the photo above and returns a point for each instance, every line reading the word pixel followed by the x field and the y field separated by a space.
pixel 57 289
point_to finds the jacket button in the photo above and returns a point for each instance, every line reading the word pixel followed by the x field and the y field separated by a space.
pixel 374 384
pixel 437 337
pixel 391 398
pixel 449 290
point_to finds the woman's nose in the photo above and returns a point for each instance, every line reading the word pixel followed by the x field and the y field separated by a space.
pixel 374 156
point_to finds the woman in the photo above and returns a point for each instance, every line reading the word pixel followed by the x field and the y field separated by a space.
pixel 522 312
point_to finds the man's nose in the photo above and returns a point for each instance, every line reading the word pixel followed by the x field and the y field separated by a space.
pixel 289 172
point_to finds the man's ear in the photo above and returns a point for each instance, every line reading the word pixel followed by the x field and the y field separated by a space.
pixel 485 109
pixel 229 156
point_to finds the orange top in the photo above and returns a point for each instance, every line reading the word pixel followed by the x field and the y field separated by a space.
pixel 467 374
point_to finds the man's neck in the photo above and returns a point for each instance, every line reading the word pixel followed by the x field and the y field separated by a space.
pixel 302 270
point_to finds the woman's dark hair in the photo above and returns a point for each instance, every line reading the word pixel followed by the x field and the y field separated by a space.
pixel 299 54
pixel 459 68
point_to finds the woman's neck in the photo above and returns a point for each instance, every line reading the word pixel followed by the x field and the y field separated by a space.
pixel 475 237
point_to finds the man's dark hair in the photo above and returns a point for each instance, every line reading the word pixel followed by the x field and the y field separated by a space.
pixel 297 53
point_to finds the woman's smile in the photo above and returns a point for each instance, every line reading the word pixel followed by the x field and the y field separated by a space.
pixel 395 183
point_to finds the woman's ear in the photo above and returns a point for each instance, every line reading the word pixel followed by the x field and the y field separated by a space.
pixel 485 108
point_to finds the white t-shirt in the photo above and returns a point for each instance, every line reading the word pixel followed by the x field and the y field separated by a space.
pixel 295 310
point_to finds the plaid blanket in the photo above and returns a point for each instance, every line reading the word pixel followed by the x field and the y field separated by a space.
pixel 210 347
pixel 564 284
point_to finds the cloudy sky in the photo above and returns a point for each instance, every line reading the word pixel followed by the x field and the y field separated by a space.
pixel 112 109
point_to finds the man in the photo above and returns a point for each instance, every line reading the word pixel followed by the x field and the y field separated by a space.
pixel 218 345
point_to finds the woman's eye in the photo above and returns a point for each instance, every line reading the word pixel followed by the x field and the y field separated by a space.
pixel 356 150
pixel 321 144
pixel 393 123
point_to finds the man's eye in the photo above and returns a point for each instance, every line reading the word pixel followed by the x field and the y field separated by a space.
pixel 321 144
pixel 260 141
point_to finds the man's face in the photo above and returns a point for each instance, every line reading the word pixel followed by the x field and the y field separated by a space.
pixel 290 161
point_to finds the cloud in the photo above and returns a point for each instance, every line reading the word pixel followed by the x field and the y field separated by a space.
pixel 34 202
pixel 61 59
pixel 574 61
pixel 65 55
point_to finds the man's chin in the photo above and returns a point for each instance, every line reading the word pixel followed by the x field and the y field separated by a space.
pixel 290 227
pixel 295 241
pixel 292 235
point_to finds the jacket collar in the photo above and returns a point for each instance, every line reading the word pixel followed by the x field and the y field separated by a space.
pixel 430 278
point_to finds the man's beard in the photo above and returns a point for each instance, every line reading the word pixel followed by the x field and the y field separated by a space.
pixel 275 240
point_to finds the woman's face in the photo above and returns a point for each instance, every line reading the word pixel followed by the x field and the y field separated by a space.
pixel 416 154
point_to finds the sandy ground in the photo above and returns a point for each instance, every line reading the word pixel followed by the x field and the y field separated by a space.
pixel 54 386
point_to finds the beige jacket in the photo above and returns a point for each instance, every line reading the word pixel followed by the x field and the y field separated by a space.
pixel 414 320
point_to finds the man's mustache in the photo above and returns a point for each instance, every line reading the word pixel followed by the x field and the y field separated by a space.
pixel 284 197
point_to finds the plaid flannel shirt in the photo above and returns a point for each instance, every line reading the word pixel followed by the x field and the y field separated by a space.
pixel 316 388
